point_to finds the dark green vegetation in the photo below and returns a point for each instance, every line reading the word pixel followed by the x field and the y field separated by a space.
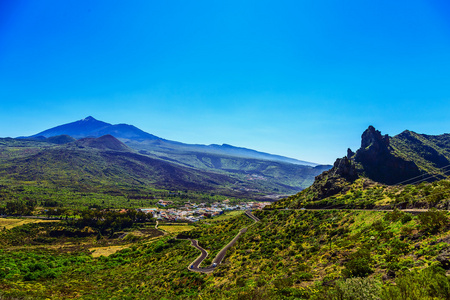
pixel 102 197
pixel 431 153
pixel 287 255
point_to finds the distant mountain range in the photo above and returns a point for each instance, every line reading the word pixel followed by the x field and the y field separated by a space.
pixel 141 140
pixel 97 152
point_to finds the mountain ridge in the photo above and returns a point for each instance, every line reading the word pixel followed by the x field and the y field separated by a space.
pixel 141 140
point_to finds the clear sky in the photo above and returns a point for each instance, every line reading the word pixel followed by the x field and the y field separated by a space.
pixel 297 78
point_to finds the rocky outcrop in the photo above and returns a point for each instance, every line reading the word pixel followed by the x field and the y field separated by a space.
pixel 335 180
pixel 377 160
pixel 373 146
pixel 344 167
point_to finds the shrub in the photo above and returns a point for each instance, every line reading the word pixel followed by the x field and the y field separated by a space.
pixel 406 218
pixel 430 283
pixel 359 289
pixel 358 264
pixel 433 220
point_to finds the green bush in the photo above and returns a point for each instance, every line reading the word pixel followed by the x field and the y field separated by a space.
pixel 358 264
pixel 430 283
pixel 359 289
pixel 433 220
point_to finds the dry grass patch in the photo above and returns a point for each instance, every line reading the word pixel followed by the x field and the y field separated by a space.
pixel 11 223
pixel 226 216
pixel 106 251
pixel 175 228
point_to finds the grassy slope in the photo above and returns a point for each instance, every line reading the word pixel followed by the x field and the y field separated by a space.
pixel 364 193
pixel 428 152
pixel 8 223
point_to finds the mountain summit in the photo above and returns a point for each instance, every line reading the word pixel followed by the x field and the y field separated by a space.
pixel 379 161
pixel 90 127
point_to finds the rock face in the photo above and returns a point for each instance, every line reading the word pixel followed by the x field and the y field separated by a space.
pixel 373 146
pixel 377 160
pixel 345 168
pixel 334 180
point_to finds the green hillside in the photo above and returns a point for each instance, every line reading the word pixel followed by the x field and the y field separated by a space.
pixel 287 255
pixel 378 174
pixel 430 153
pixel 366 194
pixel 105 161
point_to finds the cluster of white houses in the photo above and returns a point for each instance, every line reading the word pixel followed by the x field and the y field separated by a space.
pixel 192 212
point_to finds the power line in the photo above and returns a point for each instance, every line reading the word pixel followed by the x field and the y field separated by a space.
pixel 420 176
pixel 433 175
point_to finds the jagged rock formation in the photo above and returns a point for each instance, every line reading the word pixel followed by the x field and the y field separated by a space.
pixel 334 180
pixel 377 160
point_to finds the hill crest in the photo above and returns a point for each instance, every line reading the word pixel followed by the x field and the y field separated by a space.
pixel 106 142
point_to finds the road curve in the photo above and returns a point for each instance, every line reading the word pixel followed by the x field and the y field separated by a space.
pixel 251 216
pixel 195 266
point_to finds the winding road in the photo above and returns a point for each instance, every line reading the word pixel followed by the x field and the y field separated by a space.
pixel 195 265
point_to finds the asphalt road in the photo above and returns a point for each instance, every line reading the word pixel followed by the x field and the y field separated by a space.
pixel 250 215
pixel 195 266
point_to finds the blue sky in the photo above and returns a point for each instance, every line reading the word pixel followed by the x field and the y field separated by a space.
pixel 297 78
